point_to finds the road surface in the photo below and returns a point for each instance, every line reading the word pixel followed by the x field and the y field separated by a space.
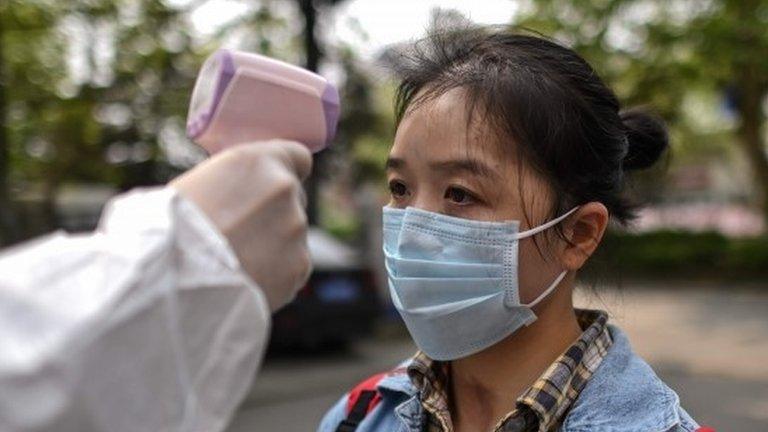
pixel 711 345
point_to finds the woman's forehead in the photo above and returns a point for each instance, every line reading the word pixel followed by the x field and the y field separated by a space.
pixel 443 127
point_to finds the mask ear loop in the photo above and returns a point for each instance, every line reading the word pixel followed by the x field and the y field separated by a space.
pixel 544 227
pixel 549 290
pixel 535 231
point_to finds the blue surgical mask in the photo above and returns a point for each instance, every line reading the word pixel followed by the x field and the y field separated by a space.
pixel 455 281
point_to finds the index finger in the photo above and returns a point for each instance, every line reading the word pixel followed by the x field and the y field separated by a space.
pixel 296 157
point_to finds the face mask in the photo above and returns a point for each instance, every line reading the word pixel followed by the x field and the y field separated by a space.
pixel 455 281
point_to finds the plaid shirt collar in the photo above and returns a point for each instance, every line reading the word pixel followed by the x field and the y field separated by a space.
pixel 543 405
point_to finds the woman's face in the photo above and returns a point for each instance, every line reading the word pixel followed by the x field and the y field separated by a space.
pixel 441 164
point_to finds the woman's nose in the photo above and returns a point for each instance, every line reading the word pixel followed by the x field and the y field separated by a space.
pixel 428 201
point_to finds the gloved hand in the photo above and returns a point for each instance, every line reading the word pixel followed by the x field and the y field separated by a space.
pixel 252 193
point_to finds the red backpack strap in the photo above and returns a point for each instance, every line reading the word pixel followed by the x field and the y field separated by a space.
pixel 368 385
pixel 362 399
pixel 705 429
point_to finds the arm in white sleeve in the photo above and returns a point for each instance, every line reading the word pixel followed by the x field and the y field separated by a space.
pixel 147 324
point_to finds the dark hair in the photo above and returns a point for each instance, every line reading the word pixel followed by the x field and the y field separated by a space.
pixel 566 122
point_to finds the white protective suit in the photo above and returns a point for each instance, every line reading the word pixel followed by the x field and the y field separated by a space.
pixel 147 324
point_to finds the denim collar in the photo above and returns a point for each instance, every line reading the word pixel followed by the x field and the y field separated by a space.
pixel 623 395
pixel 397 387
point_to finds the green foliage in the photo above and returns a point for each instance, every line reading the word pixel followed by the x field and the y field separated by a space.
pixel 86 79
pixel 685 58
pixel 342 227
pixel 366 124
pixel 748 255
pixel 370 153
pixel 682 254
pixel 96 91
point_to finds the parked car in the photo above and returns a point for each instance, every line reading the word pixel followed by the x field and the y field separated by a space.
pixel 339 303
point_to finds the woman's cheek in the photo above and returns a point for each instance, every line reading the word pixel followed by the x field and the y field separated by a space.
pixel 537 269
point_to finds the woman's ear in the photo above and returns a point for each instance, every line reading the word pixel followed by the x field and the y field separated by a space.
pixel 584 229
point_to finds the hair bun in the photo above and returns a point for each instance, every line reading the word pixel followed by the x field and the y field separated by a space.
pixel 647 138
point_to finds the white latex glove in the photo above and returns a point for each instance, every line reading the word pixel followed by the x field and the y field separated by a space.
pixel 252 193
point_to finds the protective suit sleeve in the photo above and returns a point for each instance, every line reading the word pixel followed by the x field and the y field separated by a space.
pixel 146 324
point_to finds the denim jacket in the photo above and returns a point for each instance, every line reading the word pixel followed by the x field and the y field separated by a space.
pixel 623 395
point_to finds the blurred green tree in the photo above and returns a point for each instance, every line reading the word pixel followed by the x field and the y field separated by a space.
pixel 366 126
pixel 313 56
pixel 664 52
pixel 91 89
pixel 7 213
pixel 96 91
pixel 259 25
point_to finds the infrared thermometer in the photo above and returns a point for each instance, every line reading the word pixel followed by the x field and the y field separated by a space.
pixel 242 97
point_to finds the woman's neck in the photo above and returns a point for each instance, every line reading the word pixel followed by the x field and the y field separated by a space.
pixel 485 386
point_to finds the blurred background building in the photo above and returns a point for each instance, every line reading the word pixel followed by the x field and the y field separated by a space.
pixel 93 100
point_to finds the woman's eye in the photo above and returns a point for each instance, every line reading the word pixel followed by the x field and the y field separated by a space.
pixel 459 195
pixel 397 189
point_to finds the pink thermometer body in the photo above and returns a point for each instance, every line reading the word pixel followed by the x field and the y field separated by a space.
pixel 242 97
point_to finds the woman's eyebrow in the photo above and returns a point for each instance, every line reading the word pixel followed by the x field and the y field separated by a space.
pixel 394 163
pixel 472 166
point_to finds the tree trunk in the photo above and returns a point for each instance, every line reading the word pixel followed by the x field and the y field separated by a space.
pixel 749 134
pixel 311 46
pixel 752 88
pixel 312 61
pixel 8 227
